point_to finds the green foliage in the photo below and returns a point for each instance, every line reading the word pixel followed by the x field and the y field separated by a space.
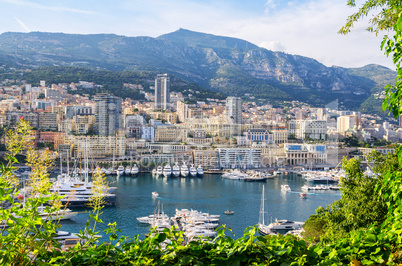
pixel 384 20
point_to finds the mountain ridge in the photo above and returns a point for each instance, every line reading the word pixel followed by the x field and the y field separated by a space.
pixel 229 65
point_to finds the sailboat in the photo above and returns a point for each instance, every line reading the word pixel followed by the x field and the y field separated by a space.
pixel 263 229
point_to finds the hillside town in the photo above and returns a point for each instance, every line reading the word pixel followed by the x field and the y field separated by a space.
pixel 167 128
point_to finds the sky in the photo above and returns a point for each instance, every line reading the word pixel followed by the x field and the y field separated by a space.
pixel 303 27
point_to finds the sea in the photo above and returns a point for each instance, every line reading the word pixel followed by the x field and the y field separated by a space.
pixel 210 193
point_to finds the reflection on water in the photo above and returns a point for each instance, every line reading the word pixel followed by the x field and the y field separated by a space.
pixel 210 193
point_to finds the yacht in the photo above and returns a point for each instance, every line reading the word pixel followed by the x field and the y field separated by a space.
pixel 159 170
pixel 155 194
pixel 285 188
pixel 200 233
pixel 134 169
pixel 184 170
pixel 200 170
pixel 78 193
pixel 167 170
pixel 62 214
pixel 193 170
pixel 176 170
pixel 127 171
pixel 120 170
pixel 109 171
pixel 284 226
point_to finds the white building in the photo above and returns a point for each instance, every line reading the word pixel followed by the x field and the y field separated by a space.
pixel 305 154
pixel 239 158
pixel 308 129
pixel 234 110
pixel 162 92
pixel 148 133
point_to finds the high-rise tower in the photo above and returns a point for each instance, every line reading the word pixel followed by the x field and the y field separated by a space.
pixel 162 92
pixel 234 109
pixel 107 114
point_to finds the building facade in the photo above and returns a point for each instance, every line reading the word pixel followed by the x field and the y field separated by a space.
pixel 243 158
pixel 234 110
pixel 107 114
pixel 162 92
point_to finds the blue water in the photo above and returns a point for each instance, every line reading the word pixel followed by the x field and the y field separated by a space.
pixel 210 193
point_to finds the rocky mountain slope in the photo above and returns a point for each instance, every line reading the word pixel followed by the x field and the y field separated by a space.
pixel 229 65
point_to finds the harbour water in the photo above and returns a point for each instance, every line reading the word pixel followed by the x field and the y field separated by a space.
pixel 210 193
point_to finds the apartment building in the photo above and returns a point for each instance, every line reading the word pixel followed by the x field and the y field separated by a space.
pixel 243 158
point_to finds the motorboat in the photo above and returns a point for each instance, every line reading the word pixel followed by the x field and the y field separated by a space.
pixel 134 169
pixel 176 170
pixel 62 214
pixel 284 226
pixel 228 212
pixel 202 233
pixel 200 170
pixel 193 170
pixel 127 170
pixel 67 239
pixel 303 195
pixel 167 170
pixel 234 174
pixel 78 193
pixel 120 170
pixel 184 170
pixel 109 171
pixel 154 172
pixel 159 170
pixel 253 176
pixel 152 218
pixel 155 194
pixel 285 188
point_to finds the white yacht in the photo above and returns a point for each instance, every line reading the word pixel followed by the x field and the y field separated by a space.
pixel 284 226
pixel 120 170
pixel 285 188
pixel 134 169
pixel 184 170
pixel 159 170
pixel 176 170
pixel 62 214
pixel 193 170
pixel 76 192
pixel 200 170
pixel 127 171
pixel 167 170
pixel 109 171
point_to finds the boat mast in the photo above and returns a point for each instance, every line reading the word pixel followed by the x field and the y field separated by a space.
pixel 61 166
pixel 262 210
pixel 68 163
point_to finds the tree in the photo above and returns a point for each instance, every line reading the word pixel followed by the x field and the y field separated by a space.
pixel 384 20
pixel 388 18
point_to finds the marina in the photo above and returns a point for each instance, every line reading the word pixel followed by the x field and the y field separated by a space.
pixel 211 194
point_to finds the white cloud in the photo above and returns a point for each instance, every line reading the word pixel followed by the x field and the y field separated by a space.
pixel 273 45
pixel 310 29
